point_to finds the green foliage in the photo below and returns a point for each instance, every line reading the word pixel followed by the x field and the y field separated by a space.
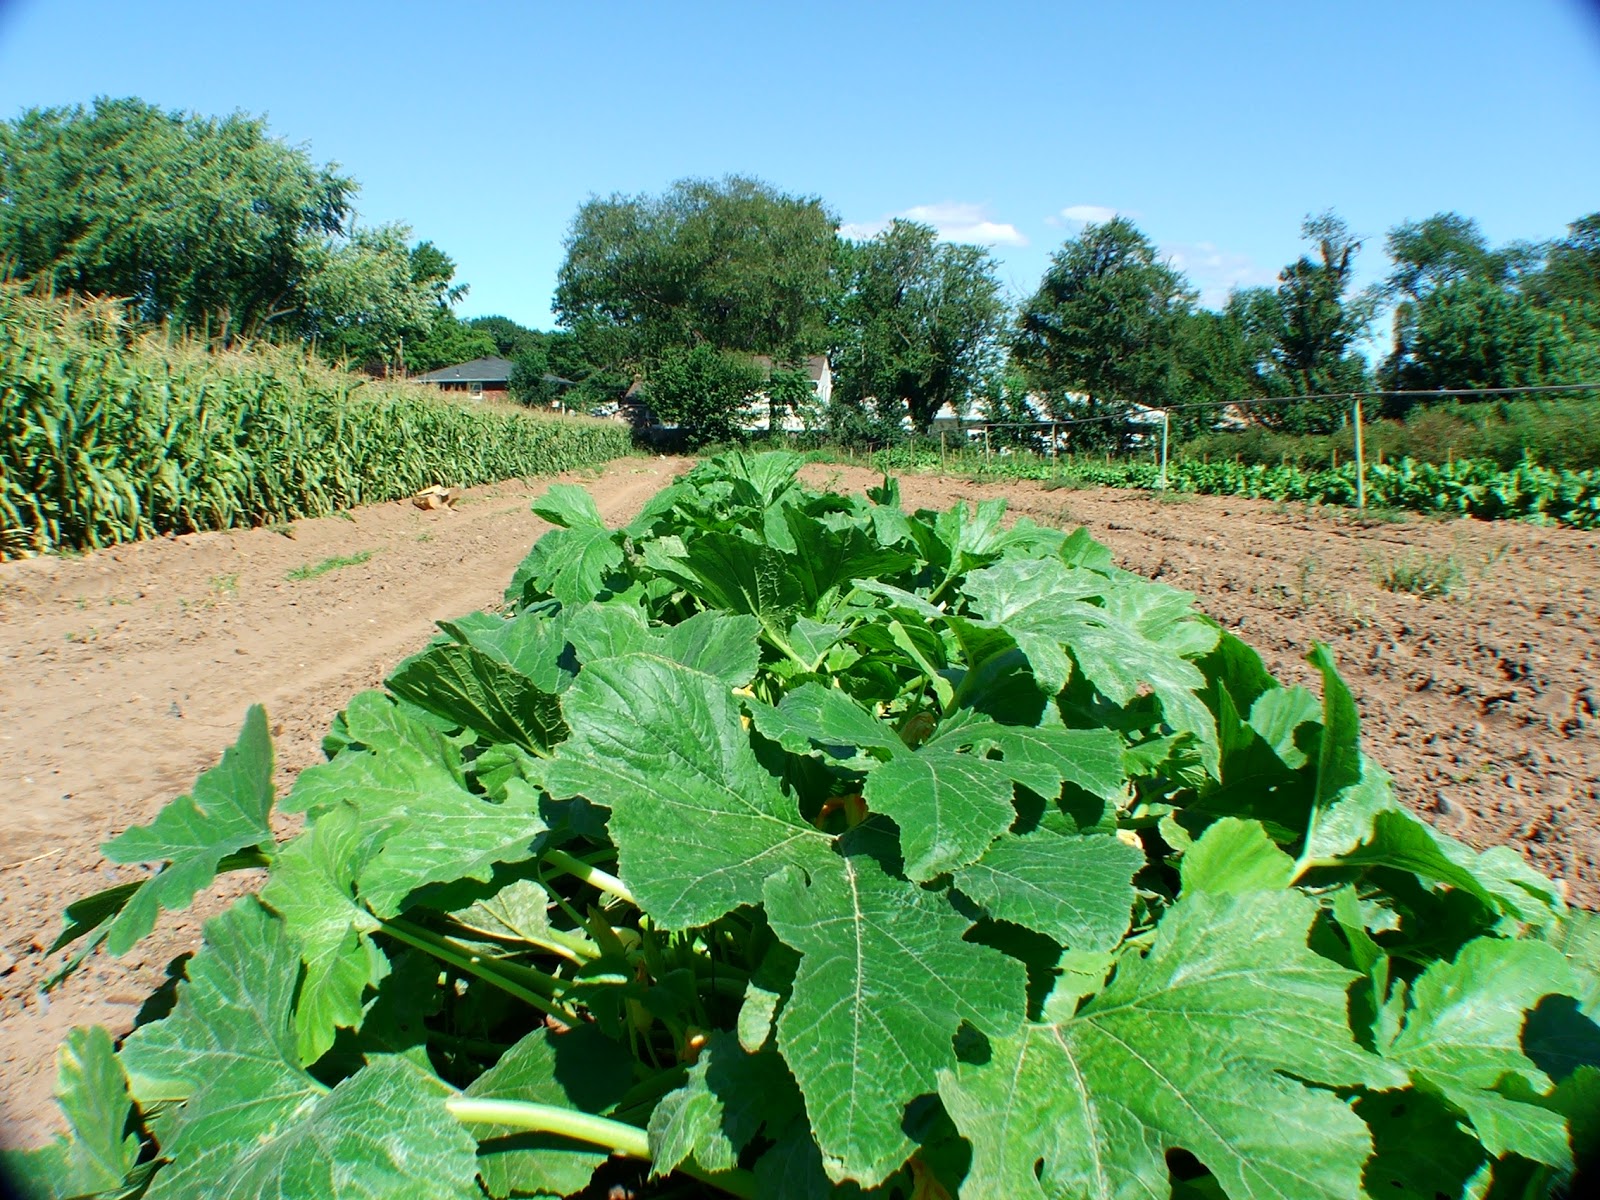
pixel 1102 331
pixel 511 339
pixel 1305 330
pixel 918 326
pixel 801 844
pixel 212 225
pixel 334 563
pixel 1465 487
pixel 1430 576
pixel 703 391
pixel 446 342
pixel 1550 431
pixel 1473 333
pixel 106 436
pixel 195 219
pixel 733 264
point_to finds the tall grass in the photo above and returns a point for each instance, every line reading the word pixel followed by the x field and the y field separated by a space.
pixel 111 435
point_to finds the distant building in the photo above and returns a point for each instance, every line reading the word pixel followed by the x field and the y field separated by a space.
pixel 476 377
pixel 756 415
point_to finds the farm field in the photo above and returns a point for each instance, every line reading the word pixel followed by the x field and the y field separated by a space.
pixel 1484 705
pixel 127 672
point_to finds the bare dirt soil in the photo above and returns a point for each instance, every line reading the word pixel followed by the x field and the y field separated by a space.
pixel 125 673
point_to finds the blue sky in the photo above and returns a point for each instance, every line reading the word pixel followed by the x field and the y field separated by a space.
pixel 1217 127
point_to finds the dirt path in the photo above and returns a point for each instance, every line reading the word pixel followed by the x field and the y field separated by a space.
pixel 123 674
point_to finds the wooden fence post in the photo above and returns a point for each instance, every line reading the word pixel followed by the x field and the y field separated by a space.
pixel 1166 421
pixel 1361 466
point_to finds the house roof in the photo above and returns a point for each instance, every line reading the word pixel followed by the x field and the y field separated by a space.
pixel 815 365
pixel 479 370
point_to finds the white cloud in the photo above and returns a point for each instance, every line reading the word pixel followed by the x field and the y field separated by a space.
pixel 860 231
pixel 1216 272
pixel 1088 214
pixel 954 222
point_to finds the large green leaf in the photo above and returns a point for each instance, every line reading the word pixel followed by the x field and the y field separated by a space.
pixel 1200 1045
pixel 716 643
pixel 1463 1039
pixel 254 1123
pixel 405 781
pixel 1077 890
pixel 1140 636
pixel 228 810
pixel 569 506
pixel 728 572
pixel 481 684
pixel 697 821
pixel 313 889
pixel 949 797
pixel 98 1152
pixel 570 563
pixel 827 560
pixel 883 985
pixel 581 1069
pixel 723 1105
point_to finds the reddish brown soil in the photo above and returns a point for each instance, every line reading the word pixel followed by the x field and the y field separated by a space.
pixel 125 673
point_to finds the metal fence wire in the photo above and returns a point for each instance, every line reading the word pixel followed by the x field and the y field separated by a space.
pixel 1150 417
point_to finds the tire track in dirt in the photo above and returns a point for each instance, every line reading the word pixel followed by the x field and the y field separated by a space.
pixel 125 673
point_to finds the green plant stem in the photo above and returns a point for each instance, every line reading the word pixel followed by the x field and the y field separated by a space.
pixel 511 978
pixel 627 1140
pixel 565 945
pixel 561 861
pixel 779 642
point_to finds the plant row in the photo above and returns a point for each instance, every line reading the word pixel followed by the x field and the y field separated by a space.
pixel 790 844
pixel 1467 487
pixel 106 438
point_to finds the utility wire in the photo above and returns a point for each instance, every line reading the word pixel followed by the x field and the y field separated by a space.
pixel 1532 389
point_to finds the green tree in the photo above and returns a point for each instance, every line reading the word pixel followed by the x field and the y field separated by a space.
pixel 788 391
pixel 1101 334
pixel 1003 399
pixel 1430 255
pixel 732 264
pixel 1302 334
pixel 511 339
pixel 1474 333
pixel 213 225
pixel 207 222
pixel 1215 367
pixel 702 390
pixel 1570 279
pixel 918 326
pixel 368 296
pixel 445 342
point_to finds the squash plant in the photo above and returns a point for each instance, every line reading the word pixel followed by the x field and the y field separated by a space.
pixel 784 843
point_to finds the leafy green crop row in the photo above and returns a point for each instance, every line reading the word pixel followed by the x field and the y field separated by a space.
pixel 1467 488
pixel 105 440
pixel 800 845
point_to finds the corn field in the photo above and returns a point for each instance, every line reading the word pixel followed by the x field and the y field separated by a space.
pixel 107 435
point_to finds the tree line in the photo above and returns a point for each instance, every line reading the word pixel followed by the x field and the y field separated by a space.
pixel 713 293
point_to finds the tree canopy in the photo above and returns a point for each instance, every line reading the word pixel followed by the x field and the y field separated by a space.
pixel 1102 332
pixel 733 264
pixel 918 324
pixel 213 225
